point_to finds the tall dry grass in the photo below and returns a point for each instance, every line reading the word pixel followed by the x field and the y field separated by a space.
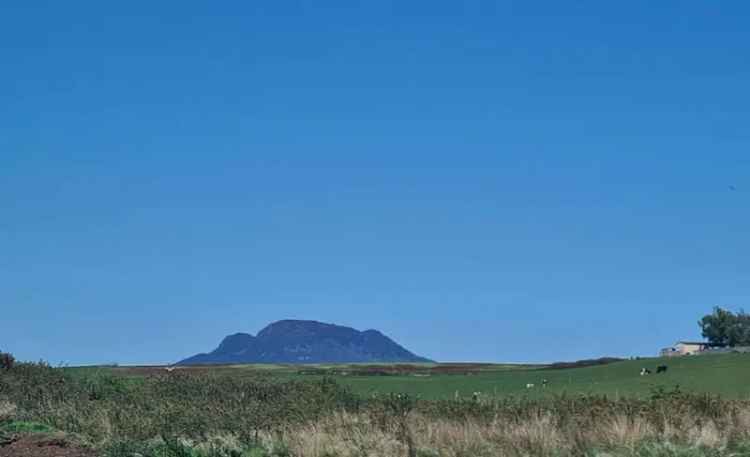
pixel 7 410
pixel 346 434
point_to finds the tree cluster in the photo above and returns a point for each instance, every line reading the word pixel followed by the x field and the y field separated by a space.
pixel 725 328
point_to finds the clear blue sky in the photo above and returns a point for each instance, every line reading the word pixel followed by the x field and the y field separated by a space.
pixel 494 181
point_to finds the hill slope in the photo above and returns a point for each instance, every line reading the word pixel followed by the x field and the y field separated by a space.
pixel 299 341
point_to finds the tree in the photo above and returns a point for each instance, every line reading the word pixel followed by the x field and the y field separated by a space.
pixel 739 332
pixel 725 328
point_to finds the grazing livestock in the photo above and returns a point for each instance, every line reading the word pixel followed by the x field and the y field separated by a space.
pixel 544 383
pixel 169 369
pixel 661 369
pixel 529 386
pixel 645 371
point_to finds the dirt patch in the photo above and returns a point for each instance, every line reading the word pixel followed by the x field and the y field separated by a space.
pixel 41 446
pixel 464 369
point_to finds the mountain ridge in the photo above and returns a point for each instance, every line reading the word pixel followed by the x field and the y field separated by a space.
pixel 296 341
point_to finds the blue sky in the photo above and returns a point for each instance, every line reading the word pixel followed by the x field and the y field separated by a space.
pixel 490 181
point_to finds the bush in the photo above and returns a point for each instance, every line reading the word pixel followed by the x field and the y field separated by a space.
pixel 583 363
pixel 6 360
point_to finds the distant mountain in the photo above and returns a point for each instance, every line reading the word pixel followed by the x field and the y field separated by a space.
pixel 297 341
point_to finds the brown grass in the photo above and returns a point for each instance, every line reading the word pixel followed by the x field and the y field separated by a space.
pixel 7 410
pixel 346 434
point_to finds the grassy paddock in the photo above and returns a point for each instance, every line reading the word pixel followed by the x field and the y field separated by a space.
pixel 724 374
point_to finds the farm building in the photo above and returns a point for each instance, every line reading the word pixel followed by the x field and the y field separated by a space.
pixel 687 348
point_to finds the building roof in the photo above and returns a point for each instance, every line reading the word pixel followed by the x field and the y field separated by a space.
pixel 698 343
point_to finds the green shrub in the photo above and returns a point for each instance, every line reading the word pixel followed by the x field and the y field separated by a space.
pixel 26 427
pixel 7 361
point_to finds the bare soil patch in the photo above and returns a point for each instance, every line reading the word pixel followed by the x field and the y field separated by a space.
pixel 42 446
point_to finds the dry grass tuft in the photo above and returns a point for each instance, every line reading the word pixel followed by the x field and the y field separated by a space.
pixel 7 410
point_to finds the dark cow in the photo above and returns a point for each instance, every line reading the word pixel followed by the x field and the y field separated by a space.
pixel 661 369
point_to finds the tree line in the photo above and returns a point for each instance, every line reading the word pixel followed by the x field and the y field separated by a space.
pixel 725 328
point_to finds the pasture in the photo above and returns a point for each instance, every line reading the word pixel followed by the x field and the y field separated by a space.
pixel 725 374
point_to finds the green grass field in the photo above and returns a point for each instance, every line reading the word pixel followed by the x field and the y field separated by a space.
pixel 725 374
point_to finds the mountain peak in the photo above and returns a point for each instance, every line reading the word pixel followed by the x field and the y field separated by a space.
pixel 306 341
pixel 235 343
pixel 293 325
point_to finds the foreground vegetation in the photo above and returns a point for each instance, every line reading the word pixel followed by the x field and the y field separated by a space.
pixel 203 414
